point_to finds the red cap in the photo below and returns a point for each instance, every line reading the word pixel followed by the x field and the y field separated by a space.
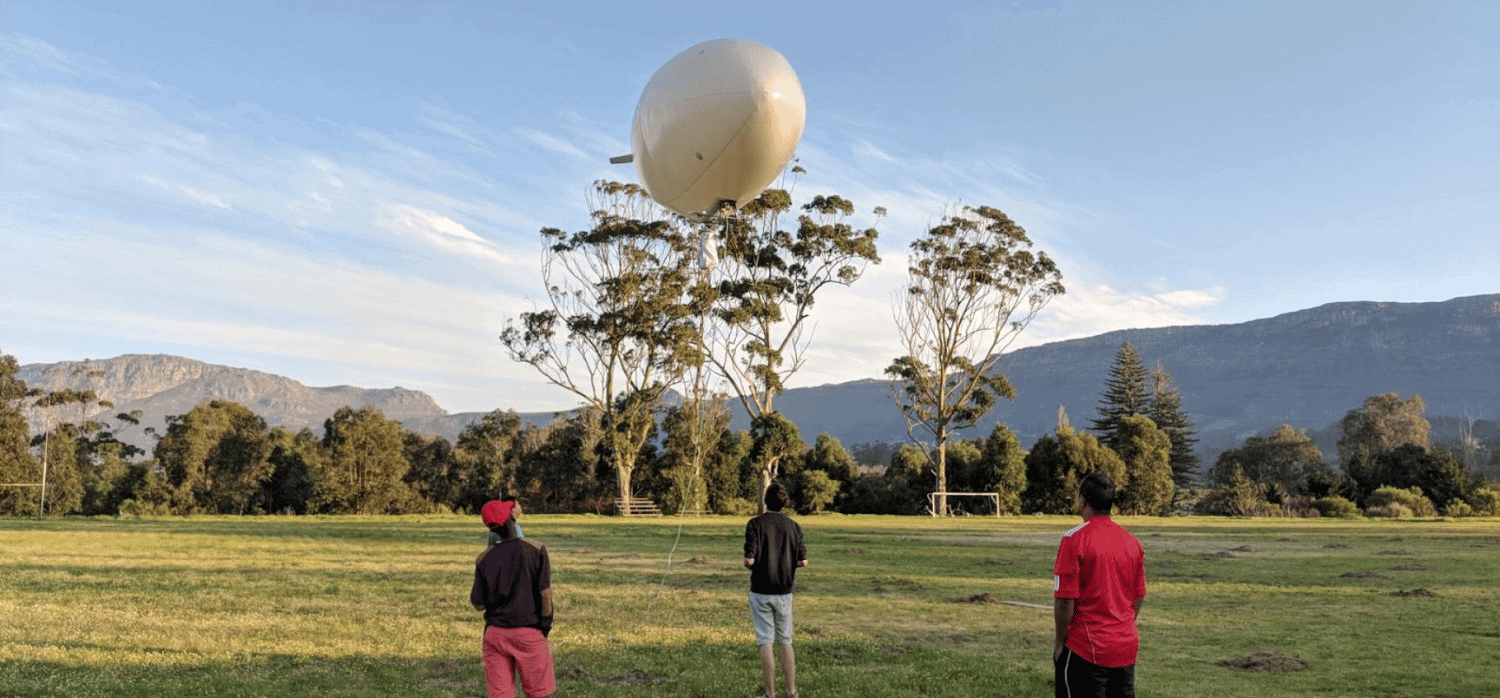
pixel 496 512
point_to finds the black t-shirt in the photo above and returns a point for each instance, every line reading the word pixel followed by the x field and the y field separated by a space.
pixel 774 540
pixel 508 582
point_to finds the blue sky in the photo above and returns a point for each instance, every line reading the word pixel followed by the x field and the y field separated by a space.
pixel 351 194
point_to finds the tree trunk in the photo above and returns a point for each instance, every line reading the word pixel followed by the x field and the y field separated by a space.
pixel 942 478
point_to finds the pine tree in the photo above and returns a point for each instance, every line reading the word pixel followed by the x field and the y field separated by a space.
pixel 1165 408
pixel 1125 394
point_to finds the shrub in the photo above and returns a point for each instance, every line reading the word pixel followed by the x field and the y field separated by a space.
pixel 1240 497
pixel 1412 499
pixel 1393 510
pixel 1458 508
pixel 1299 507
pixel 137 508
pixel 738 506
pixel 1336 506
pixel 1486 502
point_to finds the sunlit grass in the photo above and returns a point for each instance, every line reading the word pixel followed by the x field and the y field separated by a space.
pixel 345 606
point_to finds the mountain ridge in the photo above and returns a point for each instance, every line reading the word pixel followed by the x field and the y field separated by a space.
pixel 1305 367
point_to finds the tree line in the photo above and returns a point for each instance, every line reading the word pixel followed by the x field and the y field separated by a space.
pixel 221 458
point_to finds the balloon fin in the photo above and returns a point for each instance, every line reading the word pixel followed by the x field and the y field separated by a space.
pixel 622 159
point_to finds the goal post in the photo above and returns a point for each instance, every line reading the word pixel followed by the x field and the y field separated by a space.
pixel 932 499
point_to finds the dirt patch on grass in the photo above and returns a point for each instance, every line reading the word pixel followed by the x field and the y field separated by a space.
pixel 853 551
pixel 634 677
pixel 1284 540
pixel 1266 661
pixel 995 563
pixel 1335 546
pixel 885 583
pixel 1242 549
pixel 1401 551
pixel 700 560
pixel 450 674
pixel 1364 575
pixel 1222 555
pixel 1414 592
pixel 985 598
pixel 1411 568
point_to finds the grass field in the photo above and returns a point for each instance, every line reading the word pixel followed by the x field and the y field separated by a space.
pixel 345 606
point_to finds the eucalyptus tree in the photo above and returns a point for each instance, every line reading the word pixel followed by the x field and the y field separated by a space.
pixel 1057 462
pixel 364 464
pixel 49 405
pixel 767 280
pixel 216 458
pixel 296 460
pixel 1383 423
pixel 973 285
pixel 484 460
pixel 1002 468
pixel 18 470
pixel 691 431
pixel 1286 457
pixel 620 329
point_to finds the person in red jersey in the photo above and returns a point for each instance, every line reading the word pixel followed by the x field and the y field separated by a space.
pixel 513 588
pixel 1098 584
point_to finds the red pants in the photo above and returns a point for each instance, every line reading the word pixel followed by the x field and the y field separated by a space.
pixel 508 651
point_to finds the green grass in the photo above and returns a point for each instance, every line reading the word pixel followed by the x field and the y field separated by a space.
pixel 346 606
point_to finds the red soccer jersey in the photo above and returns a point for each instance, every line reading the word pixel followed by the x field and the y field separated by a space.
pixel 1104 568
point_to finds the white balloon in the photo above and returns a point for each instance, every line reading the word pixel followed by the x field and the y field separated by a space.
pixel 718 123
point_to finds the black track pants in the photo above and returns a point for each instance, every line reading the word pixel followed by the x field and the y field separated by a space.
pixel 1079 678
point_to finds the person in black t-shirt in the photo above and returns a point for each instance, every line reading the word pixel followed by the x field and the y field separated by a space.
pixel 773 552
pixel 513 588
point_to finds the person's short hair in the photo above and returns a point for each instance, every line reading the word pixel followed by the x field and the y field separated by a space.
pixel 1098 491
pixel 777 496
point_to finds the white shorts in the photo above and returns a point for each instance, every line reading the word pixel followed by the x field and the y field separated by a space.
pixel 771 613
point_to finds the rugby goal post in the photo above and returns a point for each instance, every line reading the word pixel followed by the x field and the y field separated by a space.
pixel 41 503
pixel 932 499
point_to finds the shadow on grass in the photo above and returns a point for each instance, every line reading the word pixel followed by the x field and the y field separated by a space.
pixel 830 669
pixel 826 668
pixel 277 676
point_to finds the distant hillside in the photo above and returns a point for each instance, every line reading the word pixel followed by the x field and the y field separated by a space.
pixel 1306 368
pixel 159 385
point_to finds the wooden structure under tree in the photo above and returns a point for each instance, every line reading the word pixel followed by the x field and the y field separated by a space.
pixel 636 506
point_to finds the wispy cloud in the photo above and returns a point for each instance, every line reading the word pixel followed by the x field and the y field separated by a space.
pixel 380 256
pixel 856 336
pixel 201 197
pixel 17 50
pixel 551 142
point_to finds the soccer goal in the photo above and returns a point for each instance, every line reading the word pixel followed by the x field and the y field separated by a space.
pixel 932 508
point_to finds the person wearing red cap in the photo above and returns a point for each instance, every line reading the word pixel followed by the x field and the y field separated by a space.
pixel 513 588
